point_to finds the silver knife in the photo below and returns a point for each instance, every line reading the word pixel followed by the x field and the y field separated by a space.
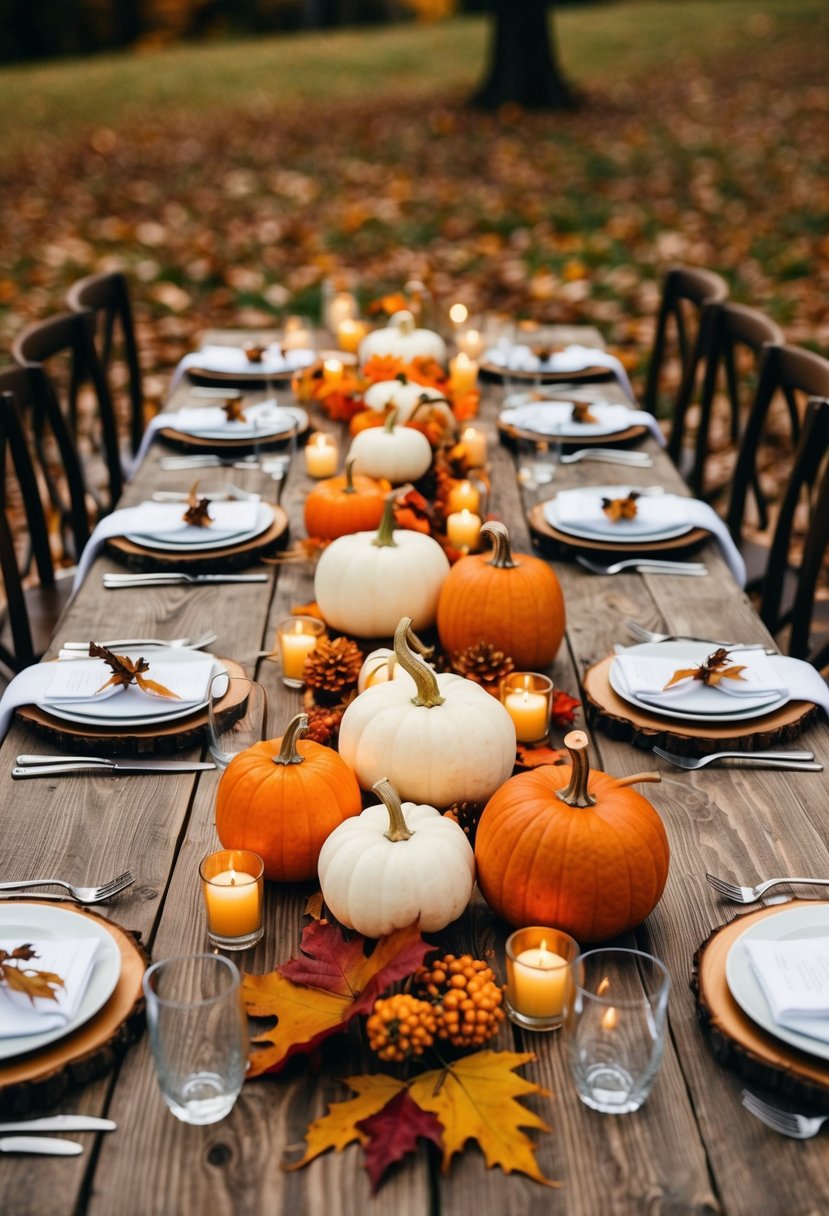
pixel 40 1144
pixel 62 1123
pixel 114 581
pixel 57 766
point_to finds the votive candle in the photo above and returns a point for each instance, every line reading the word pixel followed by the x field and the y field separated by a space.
pixel 463 496
pixel 474 441
pixel 296 638
pixel 321 455
pixel 463 529
pixel 463 373
pixel 538 976
pixel 527 698
pixel 232 884
pixel 350 333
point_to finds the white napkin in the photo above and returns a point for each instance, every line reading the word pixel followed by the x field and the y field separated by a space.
pixel 262 420
pixel 575 505
pixel 645 676
pixel 78 683
pixel 556 418
pixel 574 358
pixel 794 977
pixel 70 958
pixel 654 512
pixel 232 361
pixel 160 519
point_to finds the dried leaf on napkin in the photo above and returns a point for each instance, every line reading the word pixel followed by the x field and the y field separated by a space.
pixel 233 407
pixel 27 979
pixel 197 513
pixel 582 412
pixel 253 353
pixel 714 669
pixel 620 508
pixel 126 671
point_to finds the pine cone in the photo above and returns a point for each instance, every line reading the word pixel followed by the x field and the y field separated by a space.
pixel 466 815
pixel 484 664
pixel 332 668
pixel 324 723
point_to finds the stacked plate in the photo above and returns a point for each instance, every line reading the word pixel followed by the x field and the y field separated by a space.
pixel 789 925
pixel 579 513
pixel 265 420
pixel 234 523
pixel 555 418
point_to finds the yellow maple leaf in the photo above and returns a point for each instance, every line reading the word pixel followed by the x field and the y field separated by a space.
pixel 474 1099
pixel 306 1015
pixel 338 1128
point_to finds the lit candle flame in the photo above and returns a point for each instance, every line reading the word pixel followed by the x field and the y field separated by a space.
pixel 604 984
pixel 609 1019
pixel 458 314
pixel 232 877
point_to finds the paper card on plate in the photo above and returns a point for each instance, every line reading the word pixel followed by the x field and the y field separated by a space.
pixel 794 977
pixel 70 958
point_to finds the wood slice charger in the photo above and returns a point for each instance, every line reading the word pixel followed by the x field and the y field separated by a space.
pixel 737 1041
pixel 588 375
pixel 210 561
pixel 154 739
pixel 633 724
pixel 37 1080
pixel 545 531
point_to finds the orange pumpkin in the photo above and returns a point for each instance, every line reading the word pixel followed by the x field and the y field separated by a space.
pixel 577 850
pixel 282 799
pixel 345 504
pixel 514 603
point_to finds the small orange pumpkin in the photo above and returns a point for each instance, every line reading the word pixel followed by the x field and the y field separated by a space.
pixel 282 799
pixel 514 604
pixel 345 504
pixel 577 850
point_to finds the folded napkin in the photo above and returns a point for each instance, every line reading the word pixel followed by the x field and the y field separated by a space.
pixel 80 682
pixel 232 361
pixel 70 958
pixel 645 677
pixel 157 520
pixel 794 977
pixel 584 507
pixel 574 358
pixel 261 420
pixel 556 418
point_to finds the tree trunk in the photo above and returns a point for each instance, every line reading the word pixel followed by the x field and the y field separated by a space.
pixel 522 65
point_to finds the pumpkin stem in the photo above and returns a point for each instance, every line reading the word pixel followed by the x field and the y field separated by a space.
pixel 296 728
pixel 391 419
pixel 428 693
pixel 404 321
pixel 501 551
pixel 576 792
pixel 637 777
pixel 385 532
pixel 390 798
pixel 424 401
pixel 348 488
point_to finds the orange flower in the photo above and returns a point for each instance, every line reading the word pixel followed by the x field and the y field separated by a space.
pixel 384 367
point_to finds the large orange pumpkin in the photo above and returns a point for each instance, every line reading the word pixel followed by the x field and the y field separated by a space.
pixel 514 603
pixel 576 850
pixel 282 799
pixel 345 504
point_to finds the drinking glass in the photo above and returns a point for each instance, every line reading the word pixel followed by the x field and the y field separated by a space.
pixel 615 1016
pixel 237 716
pixel 198 1034
pixel 538 461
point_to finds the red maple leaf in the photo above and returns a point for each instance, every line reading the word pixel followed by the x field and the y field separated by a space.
pixel 393 1133
pixel 564 708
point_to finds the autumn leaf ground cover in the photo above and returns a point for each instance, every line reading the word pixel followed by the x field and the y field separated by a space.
pixel 229 180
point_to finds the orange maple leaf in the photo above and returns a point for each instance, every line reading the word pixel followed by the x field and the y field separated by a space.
pixel 714 669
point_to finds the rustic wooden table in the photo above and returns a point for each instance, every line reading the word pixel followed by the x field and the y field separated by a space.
pixel 691 1148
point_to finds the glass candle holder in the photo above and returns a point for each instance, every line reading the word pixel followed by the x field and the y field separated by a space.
pixel 538 976
pixel 350 333
pixel 297 334
pixel 527 696
pixel 322 454
pixel 474 442
pixel 463 530
pixel 464 496
pixel 463 373
pixel 296 637
pixel 233 888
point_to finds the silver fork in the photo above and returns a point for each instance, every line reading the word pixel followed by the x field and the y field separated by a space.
pixel 786 1122
pixel 750 895
pixel 609 456
pixel 204 639
pixel 802 761
pixel 178 463
pixel 83 895
pixel 644 565
pixel 641 634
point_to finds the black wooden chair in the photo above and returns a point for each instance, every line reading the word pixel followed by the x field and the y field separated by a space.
pixel 36 589
pixel 683 327
pixel 63 346
pixel 788 592
pixel 107 296
pixel 739 335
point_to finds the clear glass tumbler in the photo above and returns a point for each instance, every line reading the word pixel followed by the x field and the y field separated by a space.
pixel 237 716
pixel 615 1016
pixel 198 1034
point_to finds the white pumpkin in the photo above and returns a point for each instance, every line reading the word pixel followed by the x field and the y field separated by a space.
pixel 404 340
pixel 398 453
pixel 395 864
pixel 366 581
pixel 451 742
pixel 406 396
pixel 381 665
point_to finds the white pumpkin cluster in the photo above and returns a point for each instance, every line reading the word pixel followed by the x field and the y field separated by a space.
pixel 402 339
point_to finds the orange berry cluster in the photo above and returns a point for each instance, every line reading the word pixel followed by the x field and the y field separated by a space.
pixel 401 1027
pixel 467 999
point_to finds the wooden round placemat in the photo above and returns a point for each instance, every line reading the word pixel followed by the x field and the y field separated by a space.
pixel 631 724
pixel 541 527
pixel 205 561
pixel 35 1081
pixel 737 1041
pixel 154 739
pixel 253 379
pixel 631 434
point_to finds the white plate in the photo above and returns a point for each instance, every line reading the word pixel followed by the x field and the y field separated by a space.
pixel 697 704
pixel 265 420
pixel 625 531
pixel 552 418
pixel 264 519
pixel 790 924
pixel 29 922
pixel 115 711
